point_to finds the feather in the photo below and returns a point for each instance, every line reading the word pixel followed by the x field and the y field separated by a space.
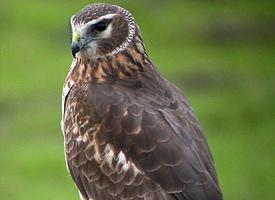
pixel 128 132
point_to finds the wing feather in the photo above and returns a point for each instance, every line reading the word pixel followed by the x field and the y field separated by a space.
pixel 161 136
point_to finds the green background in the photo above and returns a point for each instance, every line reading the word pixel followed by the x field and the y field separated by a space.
pixel 221 53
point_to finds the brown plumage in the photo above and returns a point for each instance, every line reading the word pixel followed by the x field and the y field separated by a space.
pixel 128 132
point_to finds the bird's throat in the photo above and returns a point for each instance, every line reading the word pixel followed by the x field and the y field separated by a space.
pixel 124 65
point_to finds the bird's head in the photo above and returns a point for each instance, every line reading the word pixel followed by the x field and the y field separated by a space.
pixel 101 29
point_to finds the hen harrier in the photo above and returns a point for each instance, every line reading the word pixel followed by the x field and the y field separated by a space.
pixel 129 133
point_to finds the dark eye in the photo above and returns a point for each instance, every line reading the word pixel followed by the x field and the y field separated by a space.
pixel 100 26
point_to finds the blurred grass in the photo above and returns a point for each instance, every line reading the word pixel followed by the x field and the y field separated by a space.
pixel 221 53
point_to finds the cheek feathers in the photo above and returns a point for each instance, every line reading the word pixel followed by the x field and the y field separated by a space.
pixel 114 36
pixel 108 32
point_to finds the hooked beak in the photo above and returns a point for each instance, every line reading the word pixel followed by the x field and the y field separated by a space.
pixel 75 46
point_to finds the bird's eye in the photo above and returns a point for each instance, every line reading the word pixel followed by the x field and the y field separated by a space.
pixel 100 26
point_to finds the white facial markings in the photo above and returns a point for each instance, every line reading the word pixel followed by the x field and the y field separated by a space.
pixel 107 33
pixel 94 21
pixel 91 48
pixel 82 29
pixel 131 34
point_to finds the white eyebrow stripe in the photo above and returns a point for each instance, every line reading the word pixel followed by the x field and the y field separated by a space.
pixel 81 26
pixel 94 21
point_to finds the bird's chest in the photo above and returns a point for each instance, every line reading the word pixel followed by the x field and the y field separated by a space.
pixel 84 148
pixel 77 116
pixel 78 123
pixel 93 162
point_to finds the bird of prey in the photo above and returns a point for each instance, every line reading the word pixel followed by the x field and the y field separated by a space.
pixel 129 134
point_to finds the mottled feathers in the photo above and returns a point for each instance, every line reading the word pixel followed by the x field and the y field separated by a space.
pixel 129 133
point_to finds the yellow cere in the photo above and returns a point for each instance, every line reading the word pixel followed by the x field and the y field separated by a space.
pixel 76 36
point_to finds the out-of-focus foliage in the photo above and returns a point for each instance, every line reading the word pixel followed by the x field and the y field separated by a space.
pixel 221 53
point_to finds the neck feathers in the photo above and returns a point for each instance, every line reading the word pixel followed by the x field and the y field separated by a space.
pixel 127 64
